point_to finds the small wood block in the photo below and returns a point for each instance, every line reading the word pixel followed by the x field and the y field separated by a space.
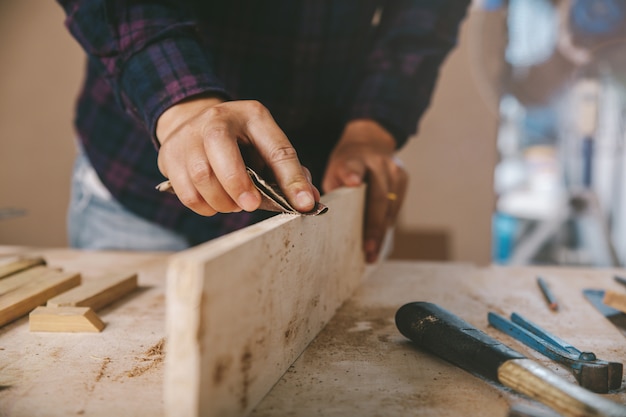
pixel 616 300
pixel 65 319
pixel 98 292
pixel 19 265
pixel 22 300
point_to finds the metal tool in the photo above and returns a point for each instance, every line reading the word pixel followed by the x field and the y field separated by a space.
pixel 596 297
pixel 445 335
pixel 592 373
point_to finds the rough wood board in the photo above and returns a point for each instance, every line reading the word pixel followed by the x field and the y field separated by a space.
pixel 25 298
pixel 64 319
pixel 97 293
pixel 19 265
pixel 242 308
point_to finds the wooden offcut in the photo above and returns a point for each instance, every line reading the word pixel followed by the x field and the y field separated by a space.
pixel 22 300
pixel 20 265
pixel 19 279
pixel 98 292
pixel 65 319
pixel 616 300
pixel 241 309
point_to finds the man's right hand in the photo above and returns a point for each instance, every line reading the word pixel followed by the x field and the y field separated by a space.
pixel 201 156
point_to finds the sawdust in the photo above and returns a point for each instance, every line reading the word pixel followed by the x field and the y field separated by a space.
pixel 156 350
pixel 151 359
pixel 105 362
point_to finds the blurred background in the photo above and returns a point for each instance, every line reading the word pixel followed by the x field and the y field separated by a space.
pixel 518 160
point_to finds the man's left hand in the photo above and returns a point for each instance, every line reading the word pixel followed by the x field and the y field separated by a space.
pixel 365 153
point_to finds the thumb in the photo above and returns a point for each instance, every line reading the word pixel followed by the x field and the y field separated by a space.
pixel 349 173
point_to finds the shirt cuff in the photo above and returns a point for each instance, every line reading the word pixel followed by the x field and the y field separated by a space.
pixel 164 73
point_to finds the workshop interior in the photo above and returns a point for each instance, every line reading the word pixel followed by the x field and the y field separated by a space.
pixel 502 292
pixel 519 159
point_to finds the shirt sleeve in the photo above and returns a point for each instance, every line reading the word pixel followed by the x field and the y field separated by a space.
pixel 149 52
pixel 412 41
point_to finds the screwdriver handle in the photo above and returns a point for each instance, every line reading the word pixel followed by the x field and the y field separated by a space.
pixel 445 335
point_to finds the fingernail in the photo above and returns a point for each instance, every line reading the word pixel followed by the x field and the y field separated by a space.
pixel 248 201
pixel 354 179
pixel 305 200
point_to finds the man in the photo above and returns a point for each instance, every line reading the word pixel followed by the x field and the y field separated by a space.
pixel 196 90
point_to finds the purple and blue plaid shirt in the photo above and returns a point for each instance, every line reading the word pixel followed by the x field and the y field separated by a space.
pixel 315 64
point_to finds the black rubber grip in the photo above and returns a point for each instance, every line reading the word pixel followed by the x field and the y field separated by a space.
pixel 440 332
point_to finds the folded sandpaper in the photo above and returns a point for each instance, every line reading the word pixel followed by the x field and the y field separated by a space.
pixel 272 198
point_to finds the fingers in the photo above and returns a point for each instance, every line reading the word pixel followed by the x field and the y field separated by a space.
pixel 386 193
pixel 281 157
pixel 344 173
pixel 201 156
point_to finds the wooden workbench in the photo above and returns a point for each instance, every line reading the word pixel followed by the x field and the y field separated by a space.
pixel 358 365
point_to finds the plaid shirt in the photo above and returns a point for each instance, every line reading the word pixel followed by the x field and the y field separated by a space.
pixel 315 64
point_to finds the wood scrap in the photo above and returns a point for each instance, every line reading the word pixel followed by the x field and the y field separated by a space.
pixel 616 300
pixel 19 265
pixel 19 279
pixel 65 319
pixel 241 308
pixel 98 292
pixel 22 300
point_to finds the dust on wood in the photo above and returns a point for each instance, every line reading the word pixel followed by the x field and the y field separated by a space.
pixel 105 363
pixel 221 368
pixel 246 365
pixel 151 359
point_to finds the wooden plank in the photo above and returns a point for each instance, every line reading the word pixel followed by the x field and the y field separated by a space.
pixel 19 265
pixel 616 300
pixel 19 279
pixel 241 309
pixel 64 319
pixel 21 301
pixel 97 292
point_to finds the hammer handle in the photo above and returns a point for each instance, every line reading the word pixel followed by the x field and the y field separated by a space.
pixel 449 337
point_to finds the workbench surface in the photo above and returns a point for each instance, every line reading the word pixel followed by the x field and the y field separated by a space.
pixel 358 365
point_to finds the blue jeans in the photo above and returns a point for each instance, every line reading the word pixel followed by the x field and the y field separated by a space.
pixel 97 221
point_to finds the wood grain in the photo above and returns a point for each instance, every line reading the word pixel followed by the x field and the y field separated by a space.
pixel 21 301
pixel 19 279
pixel 97 293
pixel 242 308
pixel 19 265
pixel 616 300
pixel 64 319
pixel 532 379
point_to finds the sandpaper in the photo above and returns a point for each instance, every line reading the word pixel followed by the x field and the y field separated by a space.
pixel 272 198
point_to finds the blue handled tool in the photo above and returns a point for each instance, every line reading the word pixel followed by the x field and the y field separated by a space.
pixel 592 373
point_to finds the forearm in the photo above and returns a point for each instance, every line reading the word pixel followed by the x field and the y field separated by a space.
pixel 156 64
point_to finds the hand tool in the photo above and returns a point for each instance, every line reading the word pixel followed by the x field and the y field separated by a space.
pixel 524 410
pixel 592 373
pixel 272 198
pixel 616 317
pixel 449 337
pixel 553 304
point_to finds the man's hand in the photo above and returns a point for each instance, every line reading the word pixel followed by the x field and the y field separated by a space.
pixel 365 152
pixel 200 154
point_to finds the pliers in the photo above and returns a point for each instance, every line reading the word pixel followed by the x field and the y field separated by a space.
pixel 592 373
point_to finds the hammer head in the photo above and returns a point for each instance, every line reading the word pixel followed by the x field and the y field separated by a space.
pixel 599 376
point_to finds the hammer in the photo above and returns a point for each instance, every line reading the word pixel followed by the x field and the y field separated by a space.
pixel 449 337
